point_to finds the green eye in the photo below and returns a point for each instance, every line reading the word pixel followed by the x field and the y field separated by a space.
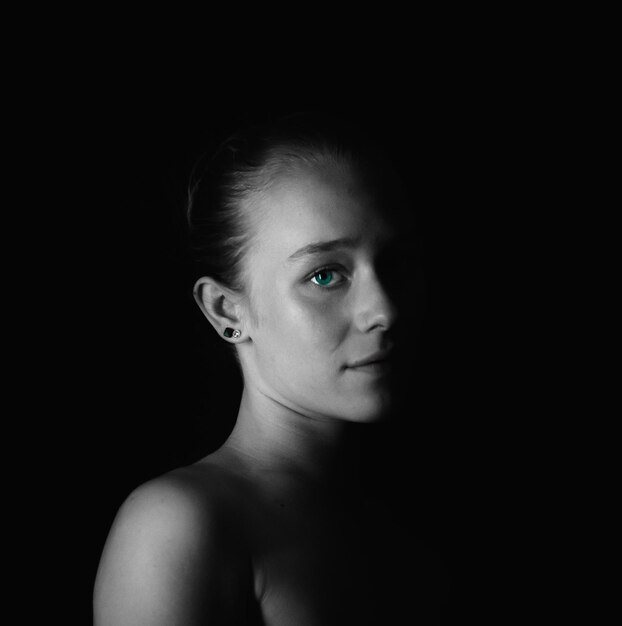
pixel 323 277
pixel 326 278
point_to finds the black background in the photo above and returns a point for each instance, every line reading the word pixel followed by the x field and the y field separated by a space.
pixel 134 385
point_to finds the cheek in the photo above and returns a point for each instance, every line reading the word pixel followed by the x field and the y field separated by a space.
pixel 298 327
pixel 319 321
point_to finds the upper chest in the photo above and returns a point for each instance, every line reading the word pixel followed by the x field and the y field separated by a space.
pixel 350 565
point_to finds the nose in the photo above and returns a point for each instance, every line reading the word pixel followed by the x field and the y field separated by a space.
pixel 374 308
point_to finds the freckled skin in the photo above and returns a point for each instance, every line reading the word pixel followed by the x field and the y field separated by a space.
pixel 310 332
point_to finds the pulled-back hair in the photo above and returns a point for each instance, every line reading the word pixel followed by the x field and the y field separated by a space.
pixel 248 162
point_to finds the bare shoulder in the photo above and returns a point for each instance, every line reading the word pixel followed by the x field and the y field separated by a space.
pixel 171 556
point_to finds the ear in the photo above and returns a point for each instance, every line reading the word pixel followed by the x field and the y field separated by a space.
pixel 219 304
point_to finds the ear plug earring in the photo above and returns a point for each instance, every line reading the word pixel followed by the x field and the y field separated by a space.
pixel 229 332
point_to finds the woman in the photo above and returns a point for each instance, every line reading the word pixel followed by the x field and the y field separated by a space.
pixel 297 226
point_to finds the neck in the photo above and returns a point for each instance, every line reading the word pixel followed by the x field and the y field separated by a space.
pixel 277 441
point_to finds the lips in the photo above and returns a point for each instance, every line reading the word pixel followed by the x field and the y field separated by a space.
pixel 381 356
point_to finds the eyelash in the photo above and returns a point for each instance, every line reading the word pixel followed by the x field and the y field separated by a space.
pixel 329 268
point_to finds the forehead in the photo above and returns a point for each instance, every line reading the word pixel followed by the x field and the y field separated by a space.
pixel 318 204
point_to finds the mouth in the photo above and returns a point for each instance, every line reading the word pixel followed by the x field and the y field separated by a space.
pixel 382 366
pixel 380 358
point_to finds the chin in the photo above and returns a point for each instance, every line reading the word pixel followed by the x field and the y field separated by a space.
pixel 376 410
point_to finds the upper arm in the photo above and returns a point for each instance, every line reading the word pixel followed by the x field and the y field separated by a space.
pixel 168 561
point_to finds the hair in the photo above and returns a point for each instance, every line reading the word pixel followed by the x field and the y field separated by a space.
pixel 250 161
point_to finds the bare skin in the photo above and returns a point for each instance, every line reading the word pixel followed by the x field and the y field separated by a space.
pixel 273 528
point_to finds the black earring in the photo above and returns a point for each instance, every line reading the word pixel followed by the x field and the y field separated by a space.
pixel 229 332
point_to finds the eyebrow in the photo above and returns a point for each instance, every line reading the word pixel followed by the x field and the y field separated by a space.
pixel 323 246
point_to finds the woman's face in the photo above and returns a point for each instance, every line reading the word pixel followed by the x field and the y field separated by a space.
pixel 316 312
